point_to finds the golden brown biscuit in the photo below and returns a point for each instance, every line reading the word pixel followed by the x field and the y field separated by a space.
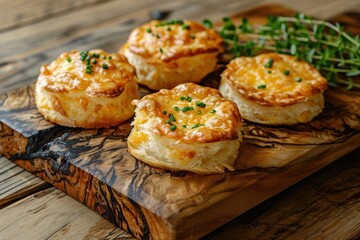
pixel 166 54
pixel 189 127
pixel 89 89
pixel 274 88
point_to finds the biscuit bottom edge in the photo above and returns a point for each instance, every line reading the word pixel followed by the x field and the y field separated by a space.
pixel 171 154
pixel 301 112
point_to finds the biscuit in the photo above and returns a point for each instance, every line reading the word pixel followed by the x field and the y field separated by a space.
pixel 88 89
pixel 166 54
pixel 274 89
pixel 189 127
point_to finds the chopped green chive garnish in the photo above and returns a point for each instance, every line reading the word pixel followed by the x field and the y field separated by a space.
pixel 168 121
pixel 164 112
pixel 213 111
pixel 226 19
pixel 94 61
pixel 269 63
pixel 286 72
pixel 185 26
pixel 110 57
pixel 207 23
pixel 200 104
pixel 148 30
pixel 68 59
pixel 192 36
pixel 263 86
pixel 104 57
pixel 199 112
pixel 88 70
pixel 268 71
pixel 197 125
pixel 172 118
pixel 184 126
pixel 95 55
pixel 168 28
pixel 176 108
pixel 187 108
pixel 105 66
pixel 189 99
pixel 170 22
pixel 173 128
pixel 83 55
pixel 298 79
pixel 161 50
pixel 87 60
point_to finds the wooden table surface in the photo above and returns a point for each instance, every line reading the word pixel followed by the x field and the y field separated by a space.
pixel 325 205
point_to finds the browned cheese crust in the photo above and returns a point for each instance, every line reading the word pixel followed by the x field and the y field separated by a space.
pixel 64 76
pixel 69 94
pixel 271 86
pixel 175 41
pixel 219 120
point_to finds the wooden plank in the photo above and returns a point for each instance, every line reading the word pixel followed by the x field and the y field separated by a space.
pixel 16 183
pixel 20 63
pixel 324 206
pixel 332 8
pixel 127 192
pixel 271 213
pixel 18 13
pixel 51 219
pixel 87 21
pixel 31 138
pixel 112 13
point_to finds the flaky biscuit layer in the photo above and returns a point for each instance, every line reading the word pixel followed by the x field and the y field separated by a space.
pixel 166 54
pixel 190 128
pixel 70 93
pixel 163 43
pixel 287 81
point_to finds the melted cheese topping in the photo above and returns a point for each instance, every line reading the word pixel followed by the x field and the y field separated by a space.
pixel 68 73
pixel 218 120
pixel 165 43
pixel 270 85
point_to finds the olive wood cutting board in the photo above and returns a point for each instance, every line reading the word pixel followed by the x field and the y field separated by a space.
pixel 94 166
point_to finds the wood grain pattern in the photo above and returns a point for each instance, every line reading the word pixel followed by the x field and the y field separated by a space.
pixel 31 12
pixel 94 167
pixel 16 183
pixel 284 216
pixel 327 209
pixel 58 221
